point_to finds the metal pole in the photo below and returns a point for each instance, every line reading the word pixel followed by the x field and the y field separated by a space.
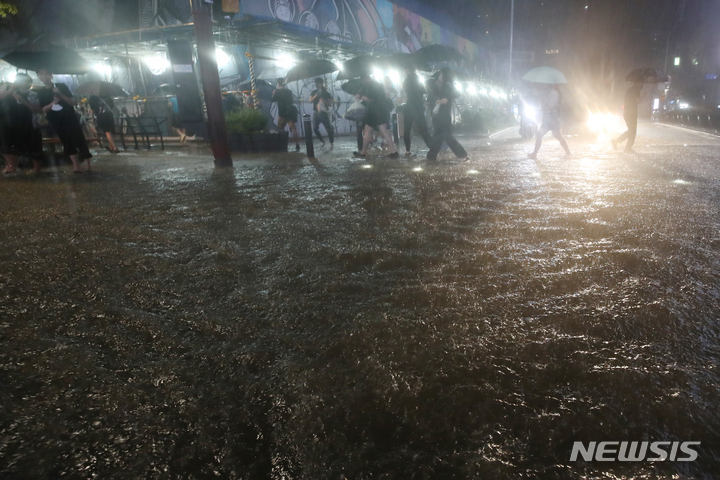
pixel 512 26
pixel 211 83
pixel 308 136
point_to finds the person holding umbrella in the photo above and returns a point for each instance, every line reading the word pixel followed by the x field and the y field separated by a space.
pixel 322 100
pixel 21 129
pixel 550 107
pixel 631 116
pixel 377 115
pixel 445 94
pixel 58 104
pixel 287 112
pixel 414 113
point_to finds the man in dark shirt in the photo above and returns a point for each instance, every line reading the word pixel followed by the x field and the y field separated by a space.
pixel 287 112
pixel 632 97
pixel 414 113
pixel 322 101
pixel 59 106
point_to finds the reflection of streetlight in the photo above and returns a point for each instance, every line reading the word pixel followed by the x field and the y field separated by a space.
pixel 11 76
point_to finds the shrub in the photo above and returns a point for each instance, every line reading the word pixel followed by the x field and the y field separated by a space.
pixel 246 120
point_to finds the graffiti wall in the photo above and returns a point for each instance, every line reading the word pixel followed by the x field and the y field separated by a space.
pixel 375 22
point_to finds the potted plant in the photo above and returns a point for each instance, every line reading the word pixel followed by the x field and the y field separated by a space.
pixel 246 132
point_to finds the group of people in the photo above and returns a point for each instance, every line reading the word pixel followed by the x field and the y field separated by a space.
pixel 378 102
pixel 22 109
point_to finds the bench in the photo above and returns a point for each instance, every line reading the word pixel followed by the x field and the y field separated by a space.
pixel 144 127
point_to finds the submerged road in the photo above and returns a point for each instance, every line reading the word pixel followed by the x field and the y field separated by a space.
pixel 352 319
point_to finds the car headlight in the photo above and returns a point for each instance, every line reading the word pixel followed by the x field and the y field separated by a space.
pixel 530 113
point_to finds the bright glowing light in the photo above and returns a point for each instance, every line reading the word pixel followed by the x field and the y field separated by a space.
pixel 677 61
pixel 395 76
pixel 11 76
pixel 417 169
pixel 471 89
pixel 600 122
pixel 103 69
pixel 458 87
pixel 683 105
pixel 221 57
pixel 530 113
pixel 473 172
pixel 681 182
pixel 157 64
pixel 367 166
pixel 656 104
pixel 378 75
pixel 285 61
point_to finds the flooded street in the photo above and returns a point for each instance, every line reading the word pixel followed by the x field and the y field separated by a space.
pixel 363 319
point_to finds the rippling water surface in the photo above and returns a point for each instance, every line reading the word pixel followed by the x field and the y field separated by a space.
pixel 358 320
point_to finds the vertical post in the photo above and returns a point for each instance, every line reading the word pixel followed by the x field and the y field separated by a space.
pixel 512 26
pixel 396 137
pixel 211 83
pixel 308 136
pixel 253 80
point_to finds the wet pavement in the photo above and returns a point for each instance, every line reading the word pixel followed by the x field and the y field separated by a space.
pixel 358 319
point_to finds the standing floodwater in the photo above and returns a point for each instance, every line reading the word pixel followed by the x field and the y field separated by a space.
pixel 363 319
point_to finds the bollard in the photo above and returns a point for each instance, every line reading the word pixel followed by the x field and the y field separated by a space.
pixel 396 138
pixel 308 136
pixel 360 126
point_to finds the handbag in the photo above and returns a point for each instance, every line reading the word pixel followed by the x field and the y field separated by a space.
pixel 355 112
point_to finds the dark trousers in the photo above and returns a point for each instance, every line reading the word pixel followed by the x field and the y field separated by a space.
pixel 415 115
pixel 443 134
pixel 324 119
pixel 360 127
pixel 630 134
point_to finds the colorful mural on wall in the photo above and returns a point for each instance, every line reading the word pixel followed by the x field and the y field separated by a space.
pixel 375 22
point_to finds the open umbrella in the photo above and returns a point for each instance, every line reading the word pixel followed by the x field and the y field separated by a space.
pixel 101 89
pixel 648 75
pixel 438 53
pixel 309 69
pixel 58 59
pixel 359 66
pixel 352 87
pixel 273 73
pixel 264 88
pixel 545 75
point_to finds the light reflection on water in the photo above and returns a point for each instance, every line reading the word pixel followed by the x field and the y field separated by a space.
pixel 339 321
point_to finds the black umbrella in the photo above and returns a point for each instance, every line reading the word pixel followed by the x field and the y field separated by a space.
pixel 309 69
pixel 358 66
pixel 648 75
pixel 438 53
pixel 58 59
pixel 264 88
pixel 352 87
pixel 101 89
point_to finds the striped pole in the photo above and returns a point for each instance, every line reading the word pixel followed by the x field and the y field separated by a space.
pixel 253 83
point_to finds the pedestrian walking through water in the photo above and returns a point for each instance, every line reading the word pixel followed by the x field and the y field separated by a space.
pixel 377 115
pixel 444 94
pixel 287 111
pixel 322 101
pixel 414 112
pixel 59 106
pixel 550 106
pixel 632 98
pixel 21 128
